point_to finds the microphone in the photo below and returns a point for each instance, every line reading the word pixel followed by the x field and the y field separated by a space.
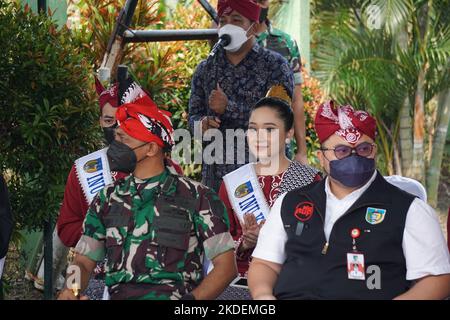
pixel 224 40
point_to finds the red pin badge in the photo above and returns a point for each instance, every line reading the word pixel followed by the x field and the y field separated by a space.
pixel 355 233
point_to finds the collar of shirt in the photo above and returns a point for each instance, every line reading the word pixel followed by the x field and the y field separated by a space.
pixel 337 207
pixel 270 32
pixel 135 186
pixel 255 49
pixel 273 31
pixel 150 181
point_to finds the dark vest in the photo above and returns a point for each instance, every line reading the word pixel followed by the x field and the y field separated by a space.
pixel 314 271
pixel 173 227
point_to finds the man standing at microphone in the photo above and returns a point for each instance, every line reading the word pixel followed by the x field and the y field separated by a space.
pixel 228 84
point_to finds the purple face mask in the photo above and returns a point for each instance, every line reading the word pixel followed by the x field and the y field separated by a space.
pixel 353 171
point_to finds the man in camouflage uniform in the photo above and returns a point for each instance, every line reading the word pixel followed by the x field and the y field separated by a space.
pixel 276 40
pixel 154 227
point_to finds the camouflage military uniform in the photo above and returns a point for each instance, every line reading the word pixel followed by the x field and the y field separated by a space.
pixel 279 41
pixel 155 234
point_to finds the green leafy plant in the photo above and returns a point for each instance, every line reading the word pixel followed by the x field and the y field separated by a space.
pixel 48 115
pixel 313 96
pixel 93 22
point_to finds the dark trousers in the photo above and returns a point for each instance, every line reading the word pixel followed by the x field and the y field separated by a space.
pixel 1 290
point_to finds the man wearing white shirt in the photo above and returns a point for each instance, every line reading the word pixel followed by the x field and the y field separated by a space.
pixel 314 236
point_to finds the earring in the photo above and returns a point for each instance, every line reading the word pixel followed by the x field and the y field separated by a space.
pixel 288 141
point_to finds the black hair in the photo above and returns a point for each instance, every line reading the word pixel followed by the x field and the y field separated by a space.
pixel 282 108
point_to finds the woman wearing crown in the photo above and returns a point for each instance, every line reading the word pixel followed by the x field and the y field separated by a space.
pixel 250 191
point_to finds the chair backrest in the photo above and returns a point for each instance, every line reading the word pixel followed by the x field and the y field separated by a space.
pixel 448 229
pixel 106 295
pixel 409 185
pixel 2 263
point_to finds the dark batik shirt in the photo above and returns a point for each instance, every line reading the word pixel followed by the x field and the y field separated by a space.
pixel 244 84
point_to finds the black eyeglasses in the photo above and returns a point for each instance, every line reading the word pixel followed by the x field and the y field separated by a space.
pixel 364 150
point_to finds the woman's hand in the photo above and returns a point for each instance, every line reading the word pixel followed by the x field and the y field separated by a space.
pixel 250 231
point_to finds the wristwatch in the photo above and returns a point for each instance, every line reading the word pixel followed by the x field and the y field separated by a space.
pixel 71 256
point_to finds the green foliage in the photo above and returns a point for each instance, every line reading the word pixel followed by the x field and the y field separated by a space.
pixel 48 114
pixel 186 57
pixel 312 97
pixel 377 69
pixel 96 20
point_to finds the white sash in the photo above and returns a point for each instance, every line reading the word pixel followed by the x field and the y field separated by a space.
pixel 245 193
pixel 93 173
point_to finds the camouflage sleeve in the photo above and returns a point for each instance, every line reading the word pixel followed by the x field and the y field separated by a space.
pixel 212 225
pixel 296 62
pixel 92 241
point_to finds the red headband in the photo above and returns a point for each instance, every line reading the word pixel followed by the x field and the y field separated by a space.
pixel 248 8
pixel 106 95
pixel 343 121
pixel 143 120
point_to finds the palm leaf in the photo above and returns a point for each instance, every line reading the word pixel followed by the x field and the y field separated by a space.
pixel 361 67
pixel 393 13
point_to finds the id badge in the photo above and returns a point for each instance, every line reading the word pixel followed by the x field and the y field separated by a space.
pixel 355 266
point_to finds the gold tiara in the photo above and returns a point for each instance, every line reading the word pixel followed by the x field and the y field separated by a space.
pixel 279 92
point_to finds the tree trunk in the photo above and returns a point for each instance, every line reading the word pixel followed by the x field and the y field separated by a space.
pixel 434 169
pixel 405 134
pixel 418 163
pixel 397 161
pixel 430 123
pixel 403 156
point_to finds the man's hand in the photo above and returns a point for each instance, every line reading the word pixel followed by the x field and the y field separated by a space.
pixel 250 231
pixel 224 271
pixel 77 278
pixel 67 294
pixel 210 123
pixel 218 100
pixel 428 288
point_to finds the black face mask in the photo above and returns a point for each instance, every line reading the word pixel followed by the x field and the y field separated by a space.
pixel 353 171
pixel 109 134
pixel 121 157
pixel 263 15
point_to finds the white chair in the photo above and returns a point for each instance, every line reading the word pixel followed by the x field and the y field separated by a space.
pixel 106 295
pixel 2 263
pixel 59 255
pixel 409 185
